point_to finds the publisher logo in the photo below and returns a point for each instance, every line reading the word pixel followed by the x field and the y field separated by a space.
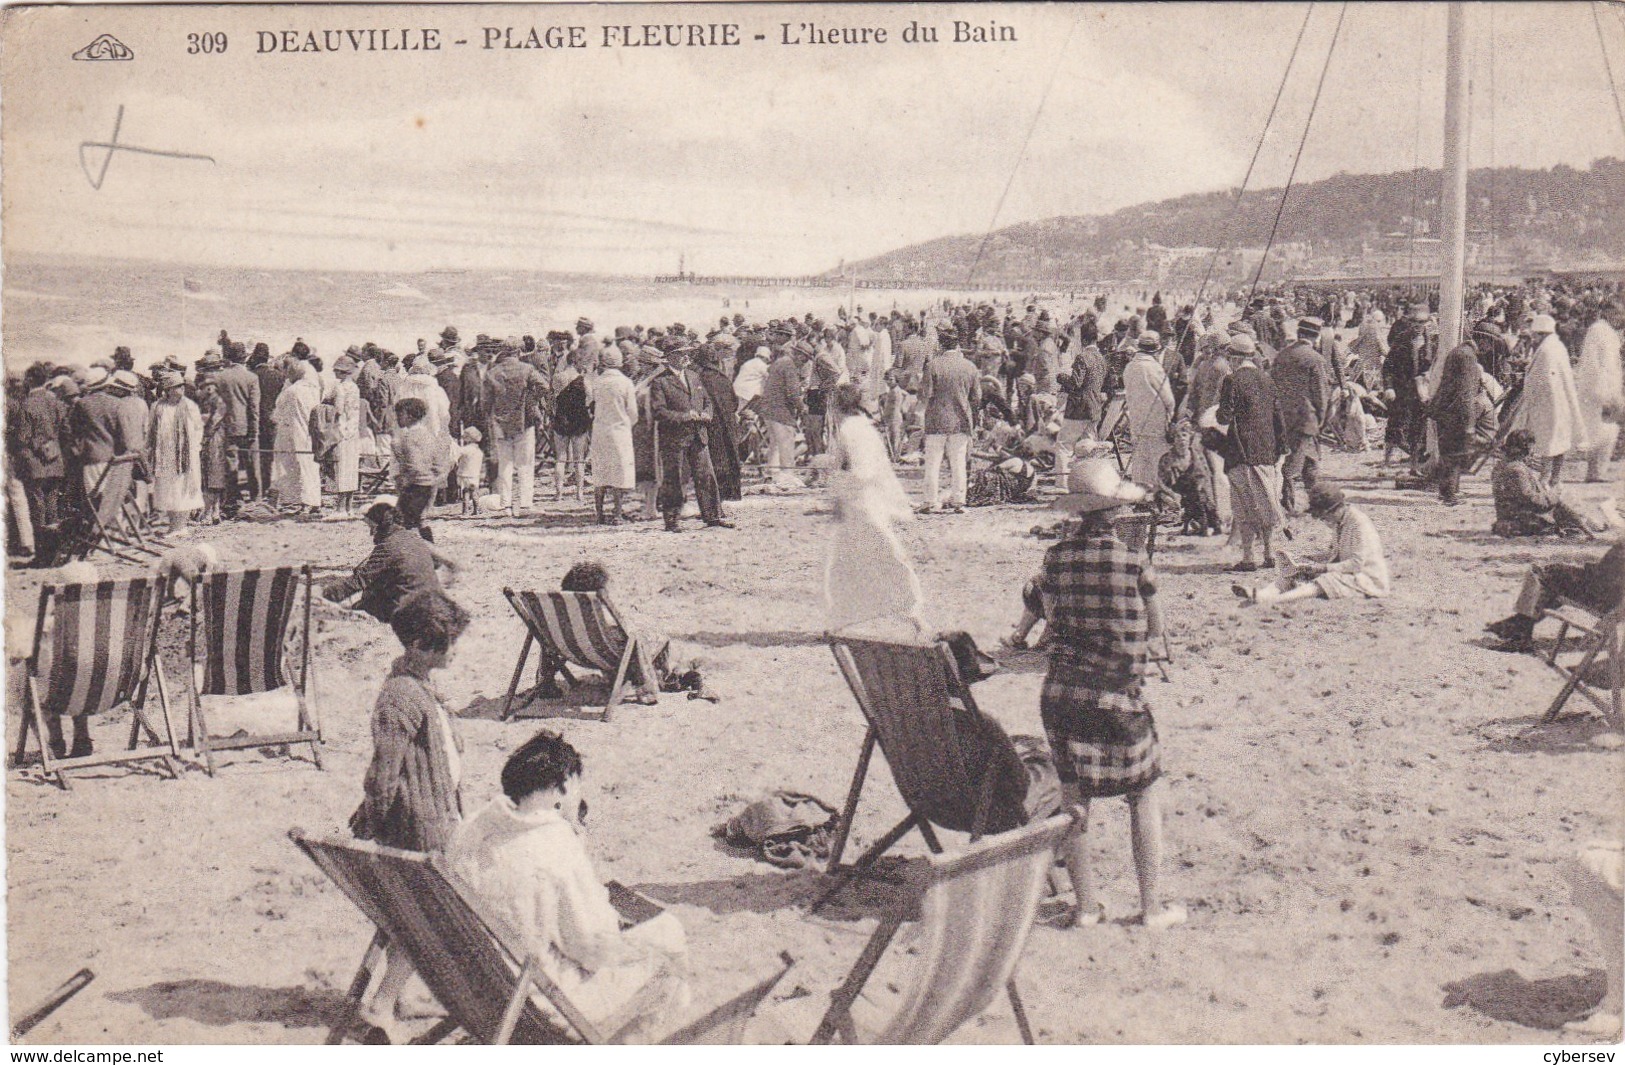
pixel 104 48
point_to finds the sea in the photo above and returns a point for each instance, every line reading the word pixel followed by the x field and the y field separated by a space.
pixel 73 311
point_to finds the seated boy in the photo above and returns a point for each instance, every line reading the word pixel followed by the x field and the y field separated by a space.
pixel 526 856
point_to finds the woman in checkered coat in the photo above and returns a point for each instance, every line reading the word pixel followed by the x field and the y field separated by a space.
pixel 1101 611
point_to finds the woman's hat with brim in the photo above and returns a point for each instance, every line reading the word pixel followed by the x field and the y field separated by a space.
pixel 1543 323
pixel 1096 485
pixel 1325 498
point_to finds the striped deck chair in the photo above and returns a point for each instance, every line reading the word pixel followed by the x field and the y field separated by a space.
pixel 581 629
pixel 242 649
pixel 95 648
pixel 473 962
pixel 904 691
pixel 975 909
pixel 1599 636
pixel 107 521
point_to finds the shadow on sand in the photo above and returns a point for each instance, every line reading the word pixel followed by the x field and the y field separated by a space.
pixel 223 1005
pixel 1548 1004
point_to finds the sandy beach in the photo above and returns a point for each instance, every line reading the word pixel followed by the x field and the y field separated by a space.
pixel 1363 819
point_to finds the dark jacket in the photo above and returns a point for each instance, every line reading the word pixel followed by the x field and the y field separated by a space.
pixel 781 400
pixel 471 389
pixel 400 565
pixel 452 384
pixel 42 424
pixel 411 801
pixel 672 396
pixel 1247 405
pixel 1301 390
pixel 240 394
pixel 97 429
pixel 511 396
pixel 270 378
pixel 1084 385
pixel 724 435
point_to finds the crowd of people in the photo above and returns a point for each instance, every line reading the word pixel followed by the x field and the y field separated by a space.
pixel 1209 416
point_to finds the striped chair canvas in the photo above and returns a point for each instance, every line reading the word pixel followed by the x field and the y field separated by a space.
pixel 975 911
pixel 473 961
pixel 242 649
pixel 904 691
pixel 95 649
pixel 580 629
pixel 110 523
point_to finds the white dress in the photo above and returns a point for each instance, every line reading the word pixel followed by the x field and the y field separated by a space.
pixel 177 457
pixel 867 573
pixel 294 476
pixel 1550 406
pixel 1597 378
pixel 1150 403
pixel 347 447
pixel 615 411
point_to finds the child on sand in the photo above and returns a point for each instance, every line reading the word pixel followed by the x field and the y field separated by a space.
pixel 470 469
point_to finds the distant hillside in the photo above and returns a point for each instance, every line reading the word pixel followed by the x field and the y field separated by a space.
pixel 1351 223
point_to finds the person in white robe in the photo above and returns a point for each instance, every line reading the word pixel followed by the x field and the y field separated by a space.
pixel 175 442
pixel 526 856
pixel 1550 405
pixel 295 477
pixel 1597 378
pixel 1149 399
pixel 347 432
pixel 615 411
pixel 867 573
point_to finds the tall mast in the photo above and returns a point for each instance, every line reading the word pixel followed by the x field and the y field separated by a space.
pixel 1453 280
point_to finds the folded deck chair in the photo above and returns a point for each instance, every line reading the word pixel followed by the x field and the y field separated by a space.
pixel 581 629
pixel 241 650
pixel 975 909
pixel 904 691
pixel 472 961
pixel 108 522
pixel 95 648
pixel 1598 635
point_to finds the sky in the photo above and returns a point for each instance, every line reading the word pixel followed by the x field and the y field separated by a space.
pixel 763 158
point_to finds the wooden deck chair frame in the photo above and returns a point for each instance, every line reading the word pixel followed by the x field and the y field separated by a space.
pixel 1600 634
pixel 548 650
pixel 469 957
pixel 941 724
pixel 150 668
pixel 308 727
pixel 107 526
pixel 963 957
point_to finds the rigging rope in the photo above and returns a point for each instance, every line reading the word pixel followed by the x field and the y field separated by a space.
pixel 1235 208
pixel 1607 66
pixel 1416 150
pixel 1494 206
pixel 1014 170
pixel 1298 157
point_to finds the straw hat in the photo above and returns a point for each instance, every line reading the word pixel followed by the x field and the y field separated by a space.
pixel 1543 323
pixel 1096 485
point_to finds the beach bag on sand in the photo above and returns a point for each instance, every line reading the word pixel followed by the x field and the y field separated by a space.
pixel 788 829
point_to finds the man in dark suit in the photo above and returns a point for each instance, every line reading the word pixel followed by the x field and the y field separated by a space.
pixel 1302 391
pixel 683 412
pixel 240 392
pixel 37 433
pixel 270 378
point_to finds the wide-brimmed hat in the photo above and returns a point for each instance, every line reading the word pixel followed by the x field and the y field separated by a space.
pixel 345 365
pixel 125 379
pixel 1325 498
pixel 1149 340
pixel 584 321
pixel 1243 344
pixel 1543 323
pixel 449 333
pixel 167 379
pixel 1096 485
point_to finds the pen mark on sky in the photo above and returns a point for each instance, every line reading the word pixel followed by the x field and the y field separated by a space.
pixel 112 145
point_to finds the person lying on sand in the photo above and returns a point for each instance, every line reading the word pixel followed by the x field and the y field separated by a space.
pixel 526 855
pixel 1356 566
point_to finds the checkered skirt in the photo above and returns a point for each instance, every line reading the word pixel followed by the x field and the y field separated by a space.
pixel 1105 742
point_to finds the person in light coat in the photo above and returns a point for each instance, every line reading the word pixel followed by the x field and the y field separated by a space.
pixel 1597 378
pixel 347 440
pixel 1550 407
pixel 615 411
pixel 175 441
pixel 1149 399
pixel 295 476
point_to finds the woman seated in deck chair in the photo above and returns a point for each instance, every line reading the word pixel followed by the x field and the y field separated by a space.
pixel 526 855
pixel 1525 504
pixel 1597 586
pixel 592 577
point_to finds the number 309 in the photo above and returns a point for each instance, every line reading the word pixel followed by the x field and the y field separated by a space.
pixel 206 43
